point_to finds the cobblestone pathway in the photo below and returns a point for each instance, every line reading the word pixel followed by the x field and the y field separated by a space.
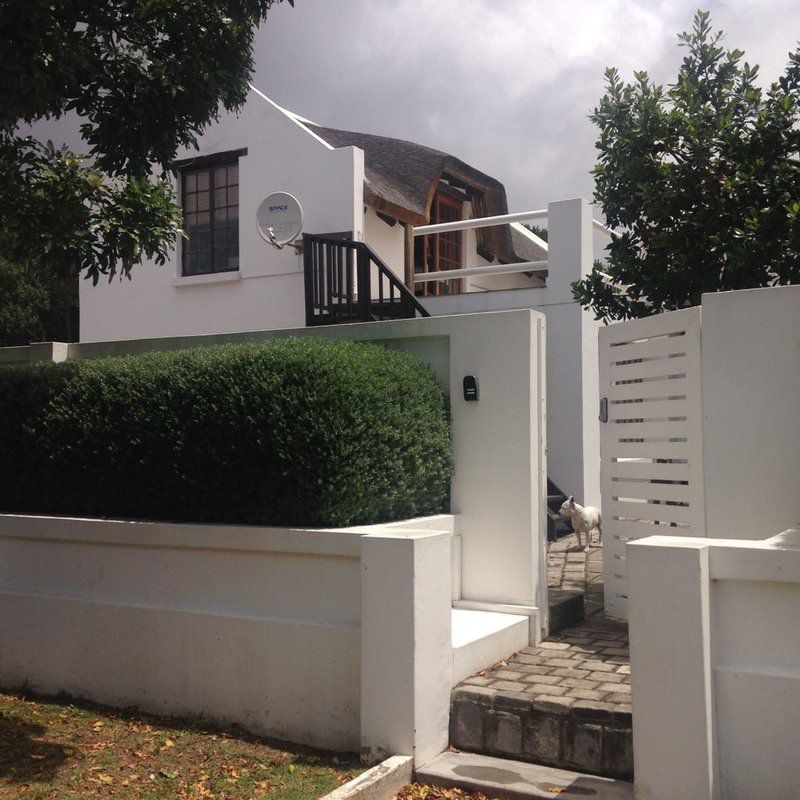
pixel 571 569
pixel 588 665
pixel 566 702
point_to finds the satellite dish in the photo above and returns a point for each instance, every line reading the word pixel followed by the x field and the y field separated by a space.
pixel 279 218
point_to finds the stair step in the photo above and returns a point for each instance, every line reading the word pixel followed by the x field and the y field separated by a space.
pixel 516 780
pixel 482 638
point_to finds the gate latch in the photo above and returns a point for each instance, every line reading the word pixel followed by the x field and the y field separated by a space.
pixel 603 409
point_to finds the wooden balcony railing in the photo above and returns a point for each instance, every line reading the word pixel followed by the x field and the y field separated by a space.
pixel 345 281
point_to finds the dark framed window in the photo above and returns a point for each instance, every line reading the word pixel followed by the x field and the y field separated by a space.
pixel 210 201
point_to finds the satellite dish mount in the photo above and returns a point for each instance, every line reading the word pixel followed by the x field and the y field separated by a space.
pixel 279 220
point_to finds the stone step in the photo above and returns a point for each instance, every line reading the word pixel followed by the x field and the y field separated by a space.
pixel 482 638
pixel 515 780
pixel 592 737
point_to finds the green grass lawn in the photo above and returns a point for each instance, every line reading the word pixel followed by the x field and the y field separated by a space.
pixel 69 750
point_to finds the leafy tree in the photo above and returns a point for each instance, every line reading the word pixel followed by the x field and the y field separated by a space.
pixel 144 77
pixel 536 229
pixel 36 305
pixel 701 180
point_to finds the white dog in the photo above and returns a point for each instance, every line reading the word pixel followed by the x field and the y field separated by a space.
pixel 584 520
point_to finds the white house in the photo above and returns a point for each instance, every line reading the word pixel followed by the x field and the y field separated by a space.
pixel 361 188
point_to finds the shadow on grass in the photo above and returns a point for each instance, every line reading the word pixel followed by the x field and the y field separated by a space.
pixel 11 755
pixel 23 757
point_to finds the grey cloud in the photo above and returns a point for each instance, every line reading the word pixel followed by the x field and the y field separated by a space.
pixel 505 85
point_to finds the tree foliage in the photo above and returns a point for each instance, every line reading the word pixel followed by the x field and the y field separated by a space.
pixel 36 305
pixel 144 77
pixel 701 180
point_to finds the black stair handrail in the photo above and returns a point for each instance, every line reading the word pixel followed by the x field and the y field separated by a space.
pixel 338 290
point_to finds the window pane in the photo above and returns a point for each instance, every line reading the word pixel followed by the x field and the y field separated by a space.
pixel 233 196
pixel 220 216
pixel 233 236
pixel 202 180
pixel 203 221
pixel 190 202
pixel 233 174
pixel 220 175
pixel 202 201
pixel 220 259
pixel 204 261
pixel 220 239
pixel 202 241
pixel 233 260
pixel 191 181
pixel 220 198
pixel 233 213
pixel 191 222
pixel 191 263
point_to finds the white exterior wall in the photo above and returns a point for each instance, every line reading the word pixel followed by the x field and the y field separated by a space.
pixel 268 289
pixel 715 649
pixel 286 632
pixel 498 490
pixel 388 241
pixel 751 399
pixel 573 434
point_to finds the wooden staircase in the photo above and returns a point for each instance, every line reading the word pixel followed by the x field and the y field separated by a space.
pixel 345 281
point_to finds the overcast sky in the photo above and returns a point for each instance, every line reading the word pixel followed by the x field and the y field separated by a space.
pixel 505 85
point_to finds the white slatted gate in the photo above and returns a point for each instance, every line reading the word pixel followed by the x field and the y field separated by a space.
pixel 651 445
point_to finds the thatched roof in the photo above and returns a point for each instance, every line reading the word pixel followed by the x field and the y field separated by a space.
pixel 401 178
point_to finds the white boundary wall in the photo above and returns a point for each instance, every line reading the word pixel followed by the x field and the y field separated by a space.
pixel 334 638
pixel 715 663
pixel 498 491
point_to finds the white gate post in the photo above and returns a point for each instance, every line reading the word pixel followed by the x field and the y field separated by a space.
pixel 406 644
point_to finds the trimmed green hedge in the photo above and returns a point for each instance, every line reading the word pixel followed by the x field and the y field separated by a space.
pixel 300 431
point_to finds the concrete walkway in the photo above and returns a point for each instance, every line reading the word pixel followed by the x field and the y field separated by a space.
pixel 514 780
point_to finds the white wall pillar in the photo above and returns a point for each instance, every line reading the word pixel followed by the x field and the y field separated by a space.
pixel 673 740
pixel 406 644
pixel 572 374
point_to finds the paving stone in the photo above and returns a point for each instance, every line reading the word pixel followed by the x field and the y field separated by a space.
pixel 625 669
pixel 480 695
pixel 620 688
pixel 508 686
pixel 618 753
pixel 503 733
pixel 546 679
pixel 559 705
pixel 564 672
pixel 545 689
pixel 607 677
pixel 599 666
pixel 577 683
pixel 466 725
pixel 620 699
pixel 586 694
pixel 615 651
pixel 531 669
pixel 507 675
pixel 602 711
pixel 583 745
pixel 542 738
pixel 518 703
pixel 526 657
pixel 559 662
pixel 551 645
pixel 477 680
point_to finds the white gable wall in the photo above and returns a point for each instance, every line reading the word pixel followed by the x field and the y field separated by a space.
pixel 268 291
